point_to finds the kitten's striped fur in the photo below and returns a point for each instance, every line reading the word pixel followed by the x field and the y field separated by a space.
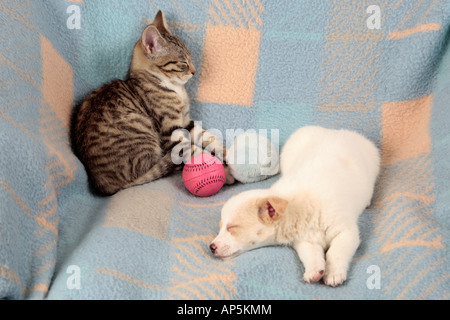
pixel 122 131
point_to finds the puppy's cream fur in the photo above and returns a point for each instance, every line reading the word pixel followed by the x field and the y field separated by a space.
pixel 327 180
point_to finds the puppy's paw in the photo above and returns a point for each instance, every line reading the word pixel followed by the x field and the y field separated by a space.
pixel 312 276
pixel 335 278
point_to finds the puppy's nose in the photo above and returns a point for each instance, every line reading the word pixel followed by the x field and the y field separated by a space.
pixel 213 247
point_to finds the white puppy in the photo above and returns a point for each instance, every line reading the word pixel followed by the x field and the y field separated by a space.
pixel 327 180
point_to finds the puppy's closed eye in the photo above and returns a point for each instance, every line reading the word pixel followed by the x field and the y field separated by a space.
pixel 232 228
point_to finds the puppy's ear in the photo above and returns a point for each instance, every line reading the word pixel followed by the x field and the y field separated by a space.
pixel 270 209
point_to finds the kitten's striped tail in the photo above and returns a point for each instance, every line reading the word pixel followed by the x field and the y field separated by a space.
pixel 162 168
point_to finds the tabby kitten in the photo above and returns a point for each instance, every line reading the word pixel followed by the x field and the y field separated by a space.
pixel 122 131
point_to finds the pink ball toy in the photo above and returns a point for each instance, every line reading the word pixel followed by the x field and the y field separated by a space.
pixel 203 175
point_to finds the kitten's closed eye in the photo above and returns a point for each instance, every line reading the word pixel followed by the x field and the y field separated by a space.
pixel 168 63
pixel 174 66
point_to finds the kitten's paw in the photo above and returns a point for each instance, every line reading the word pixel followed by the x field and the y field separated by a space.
pixel 335 278
pixel 229 179
pixel 312 276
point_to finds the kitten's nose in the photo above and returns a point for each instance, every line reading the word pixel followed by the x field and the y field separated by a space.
pixel 213 247
pixel 193 72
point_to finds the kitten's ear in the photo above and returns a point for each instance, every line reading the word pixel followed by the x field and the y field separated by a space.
pixel 160 23
pixel 152 42
pixel 271 209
